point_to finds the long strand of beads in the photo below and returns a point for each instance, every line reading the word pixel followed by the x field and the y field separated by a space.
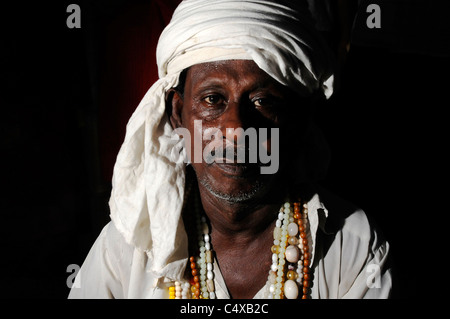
pixel 292 256
pixel 279 248
pixel 195 285
pixel 304 227
pixel 172 292
pixel 205 260
pixel 290 250
pixel 177 290
pixel 272 278
pixel 185 290
pixel 303 270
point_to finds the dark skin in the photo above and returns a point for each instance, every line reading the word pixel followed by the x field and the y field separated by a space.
pixel 232 94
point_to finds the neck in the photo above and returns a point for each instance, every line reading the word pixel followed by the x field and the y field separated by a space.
pixel 238 224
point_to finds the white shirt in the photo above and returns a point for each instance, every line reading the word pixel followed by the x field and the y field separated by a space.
pixel 349 260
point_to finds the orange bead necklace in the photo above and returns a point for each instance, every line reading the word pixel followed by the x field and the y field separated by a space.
pixel 290 273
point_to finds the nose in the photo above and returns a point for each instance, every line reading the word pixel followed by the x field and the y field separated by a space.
pixel 235 121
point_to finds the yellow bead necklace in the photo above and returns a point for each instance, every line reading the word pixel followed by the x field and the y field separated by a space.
pixel 289 275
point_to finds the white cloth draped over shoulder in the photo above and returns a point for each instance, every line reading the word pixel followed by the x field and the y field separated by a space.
pixel 148 184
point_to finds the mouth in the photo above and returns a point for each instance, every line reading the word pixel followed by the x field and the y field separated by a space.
pixel 237 170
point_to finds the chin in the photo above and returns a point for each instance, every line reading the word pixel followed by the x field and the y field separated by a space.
pixel 234 189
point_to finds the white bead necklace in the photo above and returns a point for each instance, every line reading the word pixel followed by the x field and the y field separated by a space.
pixel 290 259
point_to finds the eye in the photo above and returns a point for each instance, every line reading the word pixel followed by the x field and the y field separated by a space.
pixel 259 102
pixel 212 99
pixel 264 102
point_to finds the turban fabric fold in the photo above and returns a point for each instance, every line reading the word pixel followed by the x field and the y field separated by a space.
pixel 148 185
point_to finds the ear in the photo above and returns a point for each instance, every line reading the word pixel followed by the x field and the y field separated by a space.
pixel 174 103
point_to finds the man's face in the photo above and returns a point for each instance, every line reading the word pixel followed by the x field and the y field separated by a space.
pixel 226 96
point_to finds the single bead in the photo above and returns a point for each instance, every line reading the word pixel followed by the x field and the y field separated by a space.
pixel 205 228
pixel 306 283
pixel 292 254
pixel 192 259
pixel 194 272
pixel 196 279
pixel 210 285
pixel 212 295
pixel 306 276
pixel 293 240
pixel 290 289
pixel 292 229
pixel 307 255
pixel 275 249
pixel 274 258
pixel 277 233
pixel 193 265
pixel 208 256
pixel 306 270
pixel 272 277
pixel 291 275
pixel 210 275
pixel 280 215
pixel 208 246
pixel 306 263
pixel 206 237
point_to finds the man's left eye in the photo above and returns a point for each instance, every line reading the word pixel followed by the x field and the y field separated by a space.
pixel 258 102
pixel 262 102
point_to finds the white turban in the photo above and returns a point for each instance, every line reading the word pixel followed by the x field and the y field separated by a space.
pixel 148 185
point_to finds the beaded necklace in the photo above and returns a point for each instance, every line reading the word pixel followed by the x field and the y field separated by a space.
pixel 289 275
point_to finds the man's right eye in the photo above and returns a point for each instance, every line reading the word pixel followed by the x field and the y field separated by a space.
pixel 212 99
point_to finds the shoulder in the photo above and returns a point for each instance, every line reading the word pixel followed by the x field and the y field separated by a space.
pixel 113 243
pixel 346 217
pixel 353 252
pixel 350 230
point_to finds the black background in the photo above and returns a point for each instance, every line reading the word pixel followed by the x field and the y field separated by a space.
pixel 387 129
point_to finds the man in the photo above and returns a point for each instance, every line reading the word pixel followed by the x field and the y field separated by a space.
pixel 235 212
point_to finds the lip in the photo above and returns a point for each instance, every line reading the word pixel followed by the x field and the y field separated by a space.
pixel 237 169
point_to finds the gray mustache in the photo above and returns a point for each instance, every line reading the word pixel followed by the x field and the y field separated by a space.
pixel 227 154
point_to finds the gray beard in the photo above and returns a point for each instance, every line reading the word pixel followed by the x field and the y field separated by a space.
pixel 240 197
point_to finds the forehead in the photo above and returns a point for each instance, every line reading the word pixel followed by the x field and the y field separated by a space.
pixel 241 71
